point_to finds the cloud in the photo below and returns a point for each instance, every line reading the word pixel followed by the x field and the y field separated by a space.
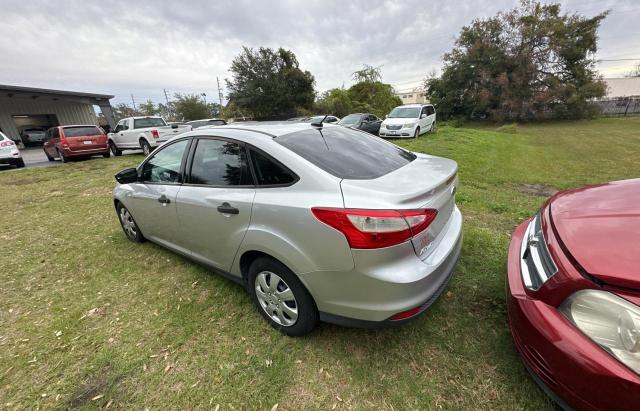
pixel 143 47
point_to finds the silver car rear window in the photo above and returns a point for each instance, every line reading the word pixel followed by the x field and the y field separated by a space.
pixel 347 153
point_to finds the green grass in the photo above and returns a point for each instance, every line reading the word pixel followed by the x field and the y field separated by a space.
pixel 88 318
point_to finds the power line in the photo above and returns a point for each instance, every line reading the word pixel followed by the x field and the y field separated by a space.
pixel 629 59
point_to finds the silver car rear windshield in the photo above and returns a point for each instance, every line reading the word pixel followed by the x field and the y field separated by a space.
pixel 347 153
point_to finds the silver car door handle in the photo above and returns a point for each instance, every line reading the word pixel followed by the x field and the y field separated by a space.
pixel 164 200
pixel 225 208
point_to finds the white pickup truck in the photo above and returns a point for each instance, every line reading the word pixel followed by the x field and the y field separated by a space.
pixel 146 133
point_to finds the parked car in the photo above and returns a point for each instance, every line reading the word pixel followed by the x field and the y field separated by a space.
pixel 409 120
pixel 317 119
pixel 363 121
pixel 9 153
pixel 319 223
pixel 33 135
pixel 65 142
pixel 206 122
pixel 573 296
pixel 146 133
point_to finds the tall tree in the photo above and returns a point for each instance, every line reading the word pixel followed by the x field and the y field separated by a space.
pixel 335 101
pixel 369 94
pixel 192 107
pixel 529 63
pixel 269 83
pixel 148 108
pixel 122 110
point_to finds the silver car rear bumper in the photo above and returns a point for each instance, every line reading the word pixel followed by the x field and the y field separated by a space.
pixel 386 282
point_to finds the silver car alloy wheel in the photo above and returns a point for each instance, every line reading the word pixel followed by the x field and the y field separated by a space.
pixel 127 223
pixel 276 298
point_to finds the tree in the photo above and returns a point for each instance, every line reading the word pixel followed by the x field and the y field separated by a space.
pixel 148 108
pixel 268 83
pixel 528 63
pixel 367 74
pixel 369 95
pixel 192 107
pixel 335 101
pixel 122 110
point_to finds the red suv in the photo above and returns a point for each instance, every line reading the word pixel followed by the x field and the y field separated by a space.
pixel 65 142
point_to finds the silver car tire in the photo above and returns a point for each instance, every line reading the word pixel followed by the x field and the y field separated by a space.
pixel 281 298
pixel 128 224
pixel 416 134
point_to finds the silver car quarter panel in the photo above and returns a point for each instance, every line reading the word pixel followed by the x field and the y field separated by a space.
pixel 387 281
pixel 283 226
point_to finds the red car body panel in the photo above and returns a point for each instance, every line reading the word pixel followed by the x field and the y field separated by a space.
pixel 570 366
pixel 600 226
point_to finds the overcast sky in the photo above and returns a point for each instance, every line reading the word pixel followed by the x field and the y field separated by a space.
pixel 142 47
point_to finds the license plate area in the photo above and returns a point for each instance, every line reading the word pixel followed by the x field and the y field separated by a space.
pixel 87 142
pixel 426 241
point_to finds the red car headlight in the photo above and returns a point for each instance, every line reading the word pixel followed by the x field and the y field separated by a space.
pixel 610 321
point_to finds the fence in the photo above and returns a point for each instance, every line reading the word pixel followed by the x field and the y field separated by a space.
pixel 622 106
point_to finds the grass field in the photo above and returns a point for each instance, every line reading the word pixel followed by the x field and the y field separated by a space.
pixel 90 320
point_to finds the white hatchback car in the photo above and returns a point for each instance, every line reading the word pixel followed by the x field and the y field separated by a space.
pixel 409 120
pixel 9 153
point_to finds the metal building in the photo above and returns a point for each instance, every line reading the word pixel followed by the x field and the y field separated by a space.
pixel 25 107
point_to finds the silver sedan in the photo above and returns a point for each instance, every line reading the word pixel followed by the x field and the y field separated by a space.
pixel 318 222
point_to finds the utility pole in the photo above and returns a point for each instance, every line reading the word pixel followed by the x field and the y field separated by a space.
pixel 134 103
pixel 166 97
pixel 219 92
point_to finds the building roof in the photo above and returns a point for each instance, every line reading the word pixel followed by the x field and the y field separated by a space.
pixel 623 87
pixel 7 89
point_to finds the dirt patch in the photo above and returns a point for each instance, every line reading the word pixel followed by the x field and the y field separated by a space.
pixel 23 181
pixel 537 190
pixel 95 385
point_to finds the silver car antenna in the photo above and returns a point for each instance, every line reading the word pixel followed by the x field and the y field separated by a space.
pixel 319 124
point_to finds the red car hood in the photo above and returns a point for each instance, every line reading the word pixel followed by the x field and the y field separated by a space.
pixel 600 227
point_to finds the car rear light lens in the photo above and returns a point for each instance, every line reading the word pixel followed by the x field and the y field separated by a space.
pixel 406 314
pixel 7 143
pixel 155 134
pixel 369 229
pixel 608 320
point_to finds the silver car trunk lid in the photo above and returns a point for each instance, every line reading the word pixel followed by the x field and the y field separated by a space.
pixel 426 182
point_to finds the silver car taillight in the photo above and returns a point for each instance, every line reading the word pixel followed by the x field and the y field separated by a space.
pixel 536 263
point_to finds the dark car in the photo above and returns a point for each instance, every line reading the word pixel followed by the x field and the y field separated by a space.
pixel 75 141
pixel 362 121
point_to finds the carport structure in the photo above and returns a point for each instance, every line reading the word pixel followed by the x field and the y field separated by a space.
pixel 27 107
